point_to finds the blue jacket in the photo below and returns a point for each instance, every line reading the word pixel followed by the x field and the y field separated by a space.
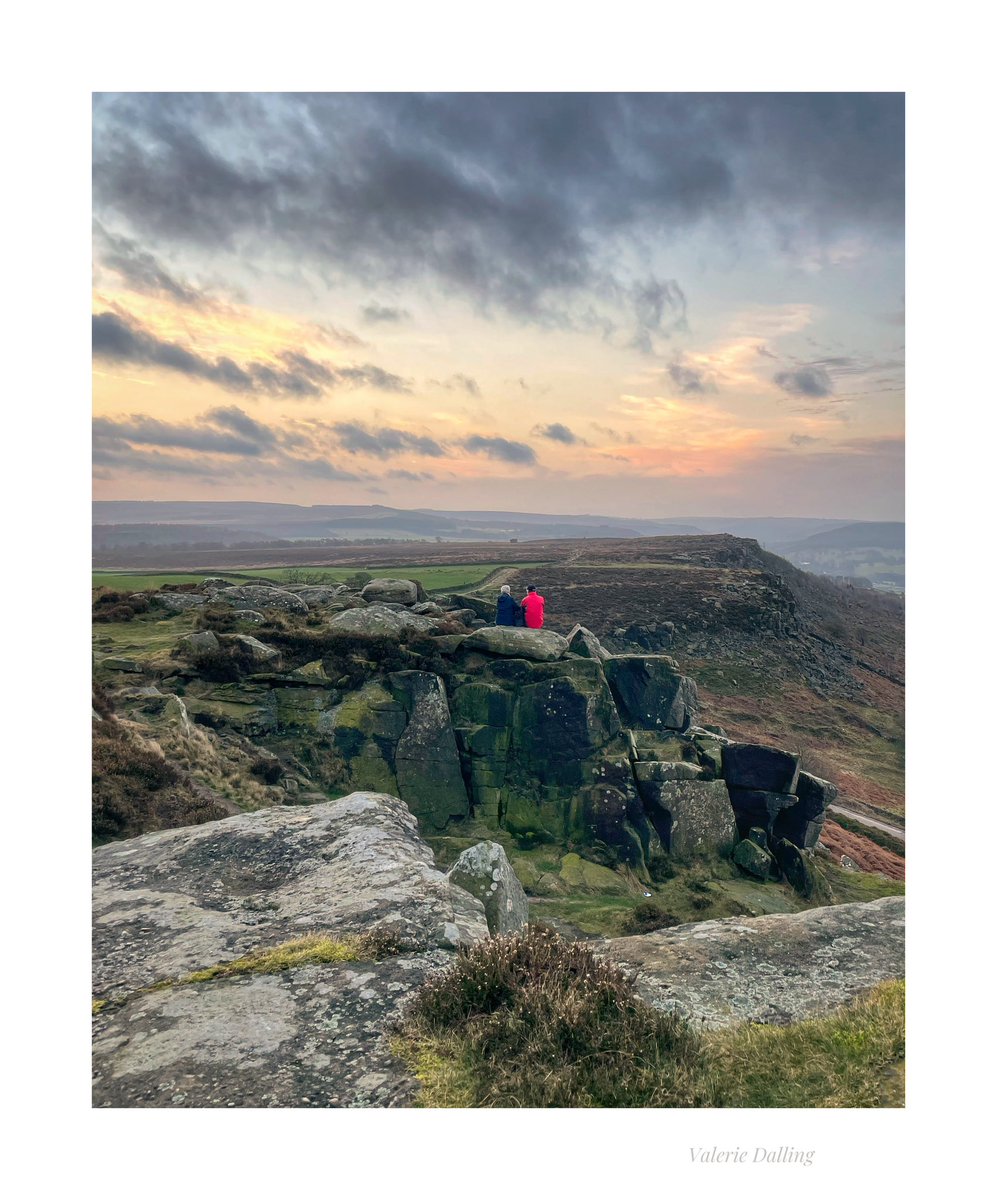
pixel 505 610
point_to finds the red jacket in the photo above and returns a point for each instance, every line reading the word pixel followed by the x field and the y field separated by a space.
pixel 533 607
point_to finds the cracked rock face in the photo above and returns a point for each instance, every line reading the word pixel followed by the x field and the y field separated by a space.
pixel 318 1036
pixel 170 903
pixel 774 969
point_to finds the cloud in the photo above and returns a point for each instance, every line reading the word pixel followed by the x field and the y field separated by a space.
pixel 459 382
pixel 803 439
pixel 690 381
pixel 221 443
pixel 376 314
pixel 410 476
pixel 382 443
pixel 613 435
pixel 508 200
pixel 500 448
pixel 141 270
pixel 653 300
pixel 812 381
pixel 557 433
pixel 121 339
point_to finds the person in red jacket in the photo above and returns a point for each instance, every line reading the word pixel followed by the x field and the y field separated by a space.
pixel 533 608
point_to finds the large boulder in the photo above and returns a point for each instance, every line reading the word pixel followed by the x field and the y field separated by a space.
pixel 396 591
pixel 801 824
pixel 377 621
pixel 509 641
pixel 262 597
pixel 180 601
pixel 427 765
pixel 776 969
pixel 691 817
pixel 753 859
pixel 763 768
pixel 194 644
pixel 650 691
pixel 317 596
pixel 583 641
pixel 485 609
pixel 485 872
pixel 170 903
pixel 264 657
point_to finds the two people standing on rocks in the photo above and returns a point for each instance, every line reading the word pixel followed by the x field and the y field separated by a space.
pixel 529 611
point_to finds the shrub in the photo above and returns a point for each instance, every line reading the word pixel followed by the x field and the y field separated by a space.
pixel 537 1022
pixel 648 916
pixel 227 664
pixel 110 606
pixel 217 618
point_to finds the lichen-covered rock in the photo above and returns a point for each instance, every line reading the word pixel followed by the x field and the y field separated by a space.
pixel 198 643
pixel 668 772
pixel 485 872
pixel 691 817
pixel 180 601
pixel 774 969
pixel 753 858
pixel 377 621
pixel 650 692
pixel 317 596
pixel 580 875
pixel 314 1037
pixel 539 645
pixel 397 591
pixel 266 658
pixel 166 904
pixel 258 596
pixel 250 615
pixel 762 768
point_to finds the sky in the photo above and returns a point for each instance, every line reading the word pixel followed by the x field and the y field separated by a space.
pixel 645 305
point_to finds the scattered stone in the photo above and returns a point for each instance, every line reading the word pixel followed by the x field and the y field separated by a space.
pixel 378 621
pixel 317 596
pixel 312 672
pixel 249 615
pixel 485 872
pixel 114 663
pixel 263 655
pixel 583 876
pixel 428 608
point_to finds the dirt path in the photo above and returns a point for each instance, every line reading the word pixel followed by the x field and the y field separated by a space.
pixel 894 830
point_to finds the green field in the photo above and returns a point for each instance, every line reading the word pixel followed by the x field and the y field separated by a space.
pixel 432 578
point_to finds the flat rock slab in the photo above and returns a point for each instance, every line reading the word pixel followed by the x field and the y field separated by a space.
pixel 166 904
pixel 775 969
pixel 541 645
pixel 313 1037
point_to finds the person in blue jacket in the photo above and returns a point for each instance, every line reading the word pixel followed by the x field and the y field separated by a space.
pixel 506 610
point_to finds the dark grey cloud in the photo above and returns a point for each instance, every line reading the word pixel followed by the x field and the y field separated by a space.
pixel 613 435
pixel 803 439
pixel 410 476
pixel 383 443
pixel 690 381
pixel 375 314
pixel 501 448
pixel 511 199
pixel 120 339
pixel 557 433
pixel 812 381
pixel 221 443
pixel 142 271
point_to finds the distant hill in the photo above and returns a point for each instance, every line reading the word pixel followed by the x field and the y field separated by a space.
pixel 882 535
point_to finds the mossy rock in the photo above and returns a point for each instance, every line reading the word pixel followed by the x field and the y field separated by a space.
pixel 753 858
pixel 580 875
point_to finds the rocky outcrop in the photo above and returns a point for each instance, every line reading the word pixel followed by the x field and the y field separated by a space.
pixel 691 817
pixel 485 872
pixel 166 904
pixel 427 765
pixel 775 969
